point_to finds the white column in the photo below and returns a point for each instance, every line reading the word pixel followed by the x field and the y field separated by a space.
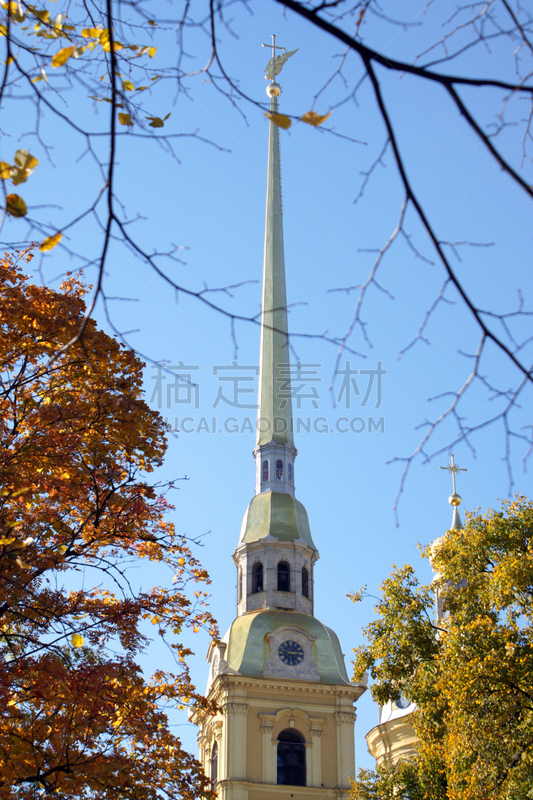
pixel 269 751
pixel 309 764
pixel 235 739
pixel 345 747
pixel 316 756
pixel 219 726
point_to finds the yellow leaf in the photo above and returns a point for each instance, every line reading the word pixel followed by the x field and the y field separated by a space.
pixel 156 122
pixel 106 46
pixel 281 120
pixel 62 56
pixel 92 33
pixel 124 119
pixel 15 11
pixel 312 118
pixel 152 51
pixel 25 163
pixel 128 86
pixel 44 15
pixel 8 540
pixel 16 206
pixel 19 175
pixel 151 22
pixel 77 640
pixel 50 242
pixel 3 30
pixel 25 160
pixel 38 78
pixel 5 170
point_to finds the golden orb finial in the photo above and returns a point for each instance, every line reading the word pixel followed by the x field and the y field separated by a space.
pixel 455 499
pixel 273 89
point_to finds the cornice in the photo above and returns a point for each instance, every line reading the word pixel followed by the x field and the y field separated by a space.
pixel 224 683
pixel 295 791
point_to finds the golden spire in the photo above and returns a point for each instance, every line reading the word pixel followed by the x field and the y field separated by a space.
pixel 275 407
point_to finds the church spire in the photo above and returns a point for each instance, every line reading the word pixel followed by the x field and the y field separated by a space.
pixel 275 529
pixel 274 452
pixel 285 716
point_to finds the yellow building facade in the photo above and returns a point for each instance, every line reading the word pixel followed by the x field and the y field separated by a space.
pixel 394 737
pixel 285 724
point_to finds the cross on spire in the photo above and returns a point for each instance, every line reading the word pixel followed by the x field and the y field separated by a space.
pixel 274 46
pixel 455 499
pixel 453 469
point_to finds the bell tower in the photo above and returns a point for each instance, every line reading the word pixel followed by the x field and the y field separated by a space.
pixel 285 726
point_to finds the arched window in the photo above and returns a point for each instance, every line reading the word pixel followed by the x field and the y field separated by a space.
pixel 289 469
pixel 214 763
pixel 305 582
pixel 291 758
pixel 265 471
pixel 257 577
pixel 239 585
pixel 279 470
pixel 284 577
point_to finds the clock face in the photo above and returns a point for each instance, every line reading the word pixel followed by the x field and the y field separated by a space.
pixel 291 653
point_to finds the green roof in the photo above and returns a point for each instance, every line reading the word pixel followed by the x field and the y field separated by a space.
pixel 276 514
pixel 248 646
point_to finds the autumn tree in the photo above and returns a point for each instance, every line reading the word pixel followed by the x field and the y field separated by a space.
pixel 77 515
pixel 470 671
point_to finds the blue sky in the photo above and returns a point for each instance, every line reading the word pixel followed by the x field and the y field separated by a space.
pixel 210 202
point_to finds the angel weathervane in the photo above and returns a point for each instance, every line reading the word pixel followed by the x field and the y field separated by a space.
pixel 275 65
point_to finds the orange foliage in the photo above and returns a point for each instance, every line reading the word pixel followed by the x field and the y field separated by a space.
pixel 78 717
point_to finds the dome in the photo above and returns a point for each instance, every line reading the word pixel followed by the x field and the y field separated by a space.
pixel 248 648
pixel 276 514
